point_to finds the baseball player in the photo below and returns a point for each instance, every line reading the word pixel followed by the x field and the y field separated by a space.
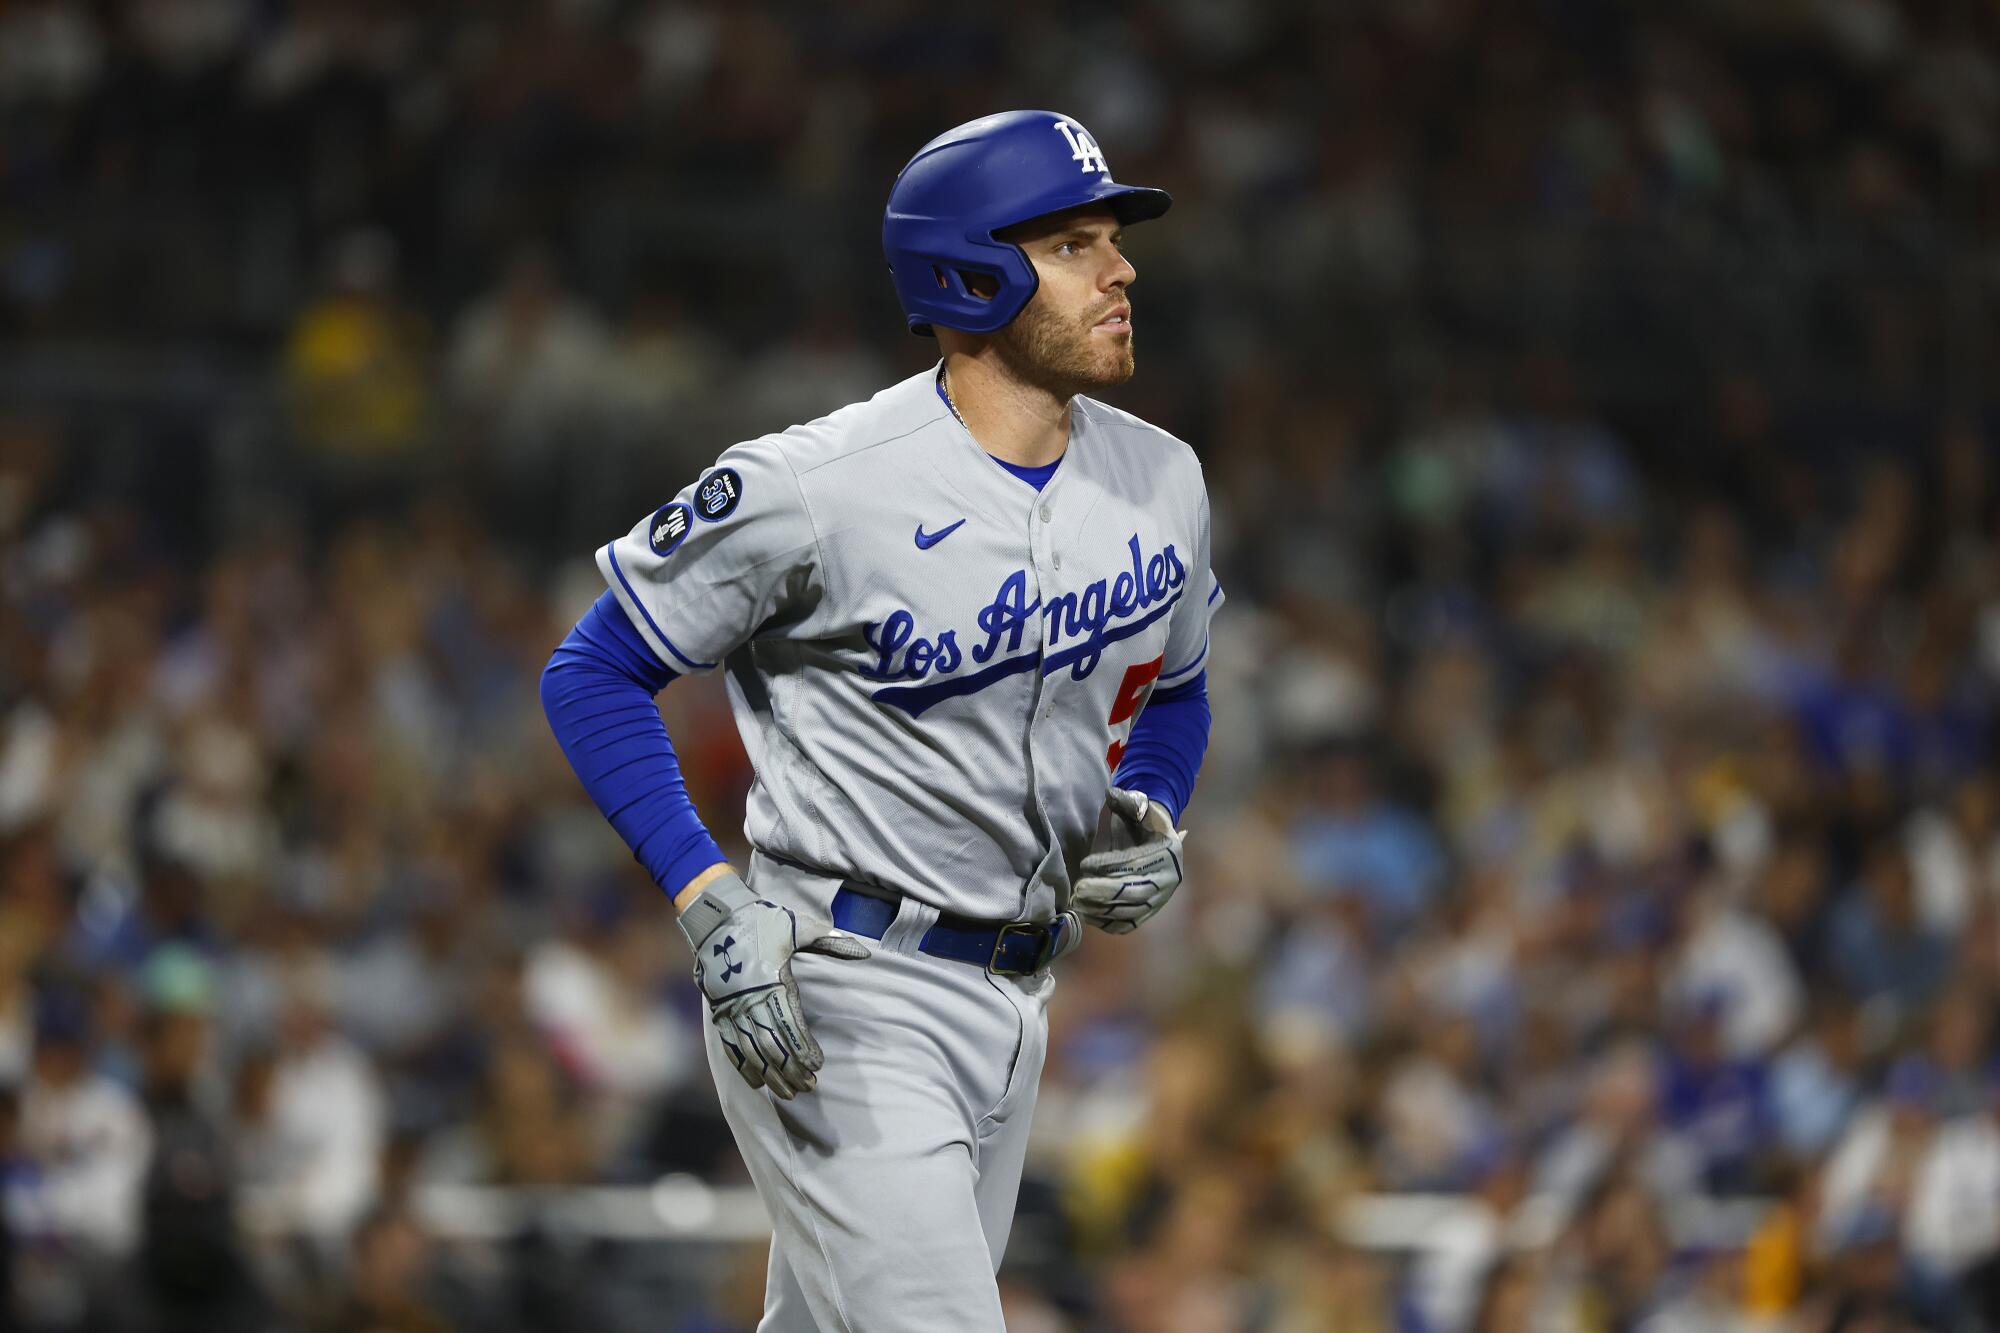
pixel 963 627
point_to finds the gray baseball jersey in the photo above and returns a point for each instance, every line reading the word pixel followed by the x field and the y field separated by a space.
pixel 933 666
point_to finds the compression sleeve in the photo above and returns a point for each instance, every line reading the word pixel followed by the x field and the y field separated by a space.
pixel 1163 755
pixel 598 693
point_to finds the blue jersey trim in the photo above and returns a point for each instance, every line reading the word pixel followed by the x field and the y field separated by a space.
pixel 619 570
pixel 1182 671
pixel 1187 689
pixel 641 664
pixel 1037 476
pixel 1213 593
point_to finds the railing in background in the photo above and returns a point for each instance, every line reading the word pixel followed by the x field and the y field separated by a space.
pixel 682 1209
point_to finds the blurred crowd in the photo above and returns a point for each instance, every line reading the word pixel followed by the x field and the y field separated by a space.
pixel 1594 910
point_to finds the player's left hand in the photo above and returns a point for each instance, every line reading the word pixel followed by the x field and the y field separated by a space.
pixel 1135 868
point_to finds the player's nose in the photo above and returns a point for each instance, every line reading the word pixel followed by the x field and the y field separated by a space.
pixel 1119 273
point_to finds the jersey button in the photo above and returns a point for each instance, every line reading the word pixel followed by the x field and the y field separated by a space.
pixel 1048 514
pixel 1058 559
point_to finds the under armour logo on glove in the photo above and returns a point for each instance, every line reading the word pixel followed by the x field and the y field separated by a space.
pixel 729 969
pixel 753 998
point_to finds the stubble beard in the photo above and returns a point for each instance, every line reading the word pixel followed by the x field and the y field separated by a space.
pixel 1061 359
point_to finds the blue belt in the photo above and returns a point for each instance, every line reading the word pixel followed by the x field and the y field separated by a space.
pixel 1006 949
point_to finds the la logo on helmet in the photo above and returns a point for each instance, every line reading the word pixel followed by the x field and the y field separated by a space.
pixel 1083 148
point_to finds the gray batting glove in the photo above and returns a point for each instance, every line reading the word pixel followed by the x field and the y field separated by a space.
pixel 1136 867
pixel 743 947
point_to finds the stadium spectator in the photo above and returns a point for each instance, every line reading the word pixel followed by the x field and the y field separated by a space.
pixel 1596 402
pixel 87 1137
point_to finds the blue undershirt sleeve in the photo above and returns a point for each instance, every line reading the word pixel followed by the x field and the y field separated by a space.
pixel 1163 756
pixel 598 693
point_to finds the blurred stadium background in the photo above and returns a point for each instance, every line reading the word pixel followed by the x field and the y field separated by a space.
pixel 1595 917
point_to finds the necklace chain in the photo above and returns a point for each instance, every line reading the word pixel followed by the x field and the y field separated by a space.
pixel 944 382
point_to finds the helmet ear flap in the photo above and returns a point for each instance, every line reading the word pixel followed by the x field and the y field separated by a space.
pixel 964 290
pixel 973 284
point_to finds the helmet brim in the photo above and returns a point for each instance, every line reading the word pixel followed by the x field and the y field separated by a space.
pixel 1137 203
pixel 1128 203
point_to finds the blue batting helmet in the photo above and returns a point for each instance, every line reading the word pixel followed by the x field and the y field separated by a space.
pixel 984 176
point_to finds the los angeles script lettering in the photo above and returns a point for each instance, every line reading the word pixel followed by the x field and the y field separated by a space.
pixel 902 654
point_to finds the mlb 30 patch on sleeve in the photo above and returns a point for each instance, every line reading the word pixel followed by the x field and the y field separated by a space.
pixel 715 499
pixel 669 527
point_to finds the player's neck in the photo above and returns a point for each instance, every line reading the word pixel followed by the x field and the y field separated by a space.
pixel 1014 421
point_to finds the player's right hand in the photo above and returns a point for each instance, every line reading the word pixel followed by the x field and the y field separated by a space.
pixel 743 963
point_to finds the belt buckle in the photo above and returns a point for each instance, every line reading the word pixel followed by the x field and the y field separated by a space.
pixel 1000 942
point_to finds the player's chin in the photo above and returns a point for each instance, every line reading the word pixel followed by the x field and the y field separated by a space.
pixel 1103 367
pixel 1114 369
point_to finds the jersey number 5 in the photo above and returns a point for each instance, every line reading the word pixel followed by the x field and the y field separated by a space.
pixel 1132 691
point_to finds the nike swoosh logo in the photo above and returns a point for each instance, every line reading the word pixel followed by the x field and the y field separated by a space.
pixel 926 540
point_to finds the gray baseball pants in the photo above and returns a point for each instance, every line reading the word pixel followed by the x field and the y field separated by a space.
pixel 891 1187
